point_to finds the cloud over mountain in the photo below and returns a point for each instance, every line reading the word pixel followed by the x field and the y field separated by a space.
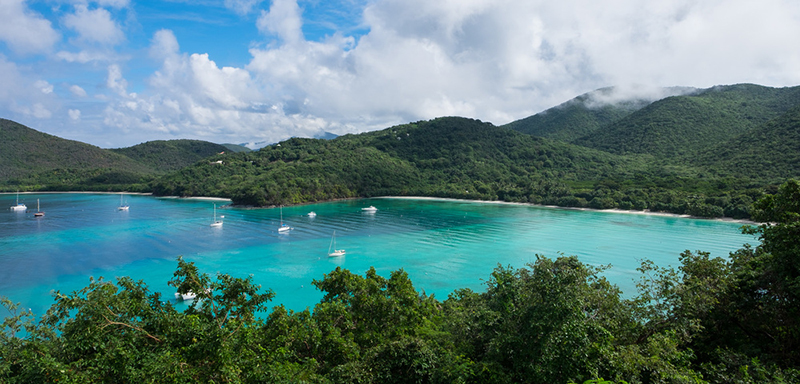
pixel 303 67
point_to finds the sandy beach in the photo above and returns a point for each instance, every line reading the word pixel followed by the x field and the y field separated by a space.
pixel 622 211
pixel 615 210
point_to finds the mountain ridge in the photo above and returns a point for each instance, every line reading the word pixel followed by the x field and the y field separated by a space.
pixel 675 154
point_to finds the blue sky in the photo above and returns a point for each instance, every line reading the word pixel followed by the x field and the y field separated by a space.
pixel 116 73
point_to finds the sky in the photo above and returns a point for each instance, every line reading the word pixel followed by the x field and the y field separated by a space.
pixel 115 73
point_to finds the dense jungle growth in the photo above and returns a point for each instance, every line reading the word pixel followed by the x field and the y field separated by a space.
pixel 462 158
pixel 713 320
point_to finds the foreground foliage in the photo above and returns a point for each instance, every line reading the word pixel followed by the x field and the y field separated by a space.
pixel 712 320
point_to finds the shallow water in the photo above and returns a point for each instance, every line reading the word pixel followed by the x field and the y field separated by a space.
pixel 443 245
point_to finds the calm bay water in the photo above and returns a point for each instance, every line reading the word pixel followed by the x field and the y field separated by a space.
pixel 443 245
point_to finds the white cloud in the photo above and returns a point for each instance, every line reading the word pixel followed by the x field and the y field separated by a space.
pixel 164 44
pixel 25 31
pixel 283 20
pixel 242 7
pixel 113 3
pixel 504 60
pixel 115 81
pixel 43 86
pixel 227 87
pixel 37 110
pixel 496 60
pixel 22 96
pixel 94 26
pixel 77 91
pixel 84 57
pixel 191 96
pixel 74 114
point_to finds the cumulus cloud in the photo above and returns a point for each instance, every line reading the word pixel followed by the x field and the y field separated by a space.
pixel 283 20
pixel 43 86
pixel 501 60
pixel 25 31
pixel 22 95
pixel 496 60
pixel 192 94
pixel 37 110
pixel 77 91
pixel 94 26
pixel 115 81
pixel 164 44
pixel 74 114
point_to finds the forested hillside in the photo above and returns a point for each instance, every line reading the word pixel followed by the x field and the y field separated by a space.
pixel 770 151
pixel 30 157
pixel 683 125
pixel 33 160
pixel 582 115
pixel 453 157
pixel 170 155
pixel 458 158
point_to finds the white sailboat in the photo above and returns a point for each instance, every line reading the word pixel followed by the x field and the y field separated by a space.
pixel 216 223
pixel 188 295
pixel 283 227
pixel 19 206
pixel 122 206
pixel 39 212
pixel 332 251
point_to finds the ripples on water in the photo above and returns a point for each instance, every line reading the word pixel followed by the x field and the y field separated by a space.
pixel 443 245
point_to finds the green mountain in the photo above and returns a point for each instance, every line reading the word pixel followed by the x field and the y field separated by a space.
pixel 170 155
pixel 36 160
pixel 583 115
pixel 29 157
pixel 770 151
pixel 708 153
pixel 454 157
pixel 460 158
pixel 682 125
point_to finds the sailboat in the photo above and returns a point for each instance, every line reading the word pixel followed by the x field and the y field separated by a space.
pixel 39 212
pixel 216 223
pixel 283 227
pixel 332 251
pixel 122 206
pixel 19 206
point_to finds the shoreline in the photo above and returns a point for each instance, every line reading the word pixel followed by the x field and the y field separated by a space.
pixel 612 210
pixel 204 198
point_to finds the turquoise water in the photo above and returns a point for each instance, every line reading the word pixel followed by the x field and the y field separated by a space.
pixel 442 245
